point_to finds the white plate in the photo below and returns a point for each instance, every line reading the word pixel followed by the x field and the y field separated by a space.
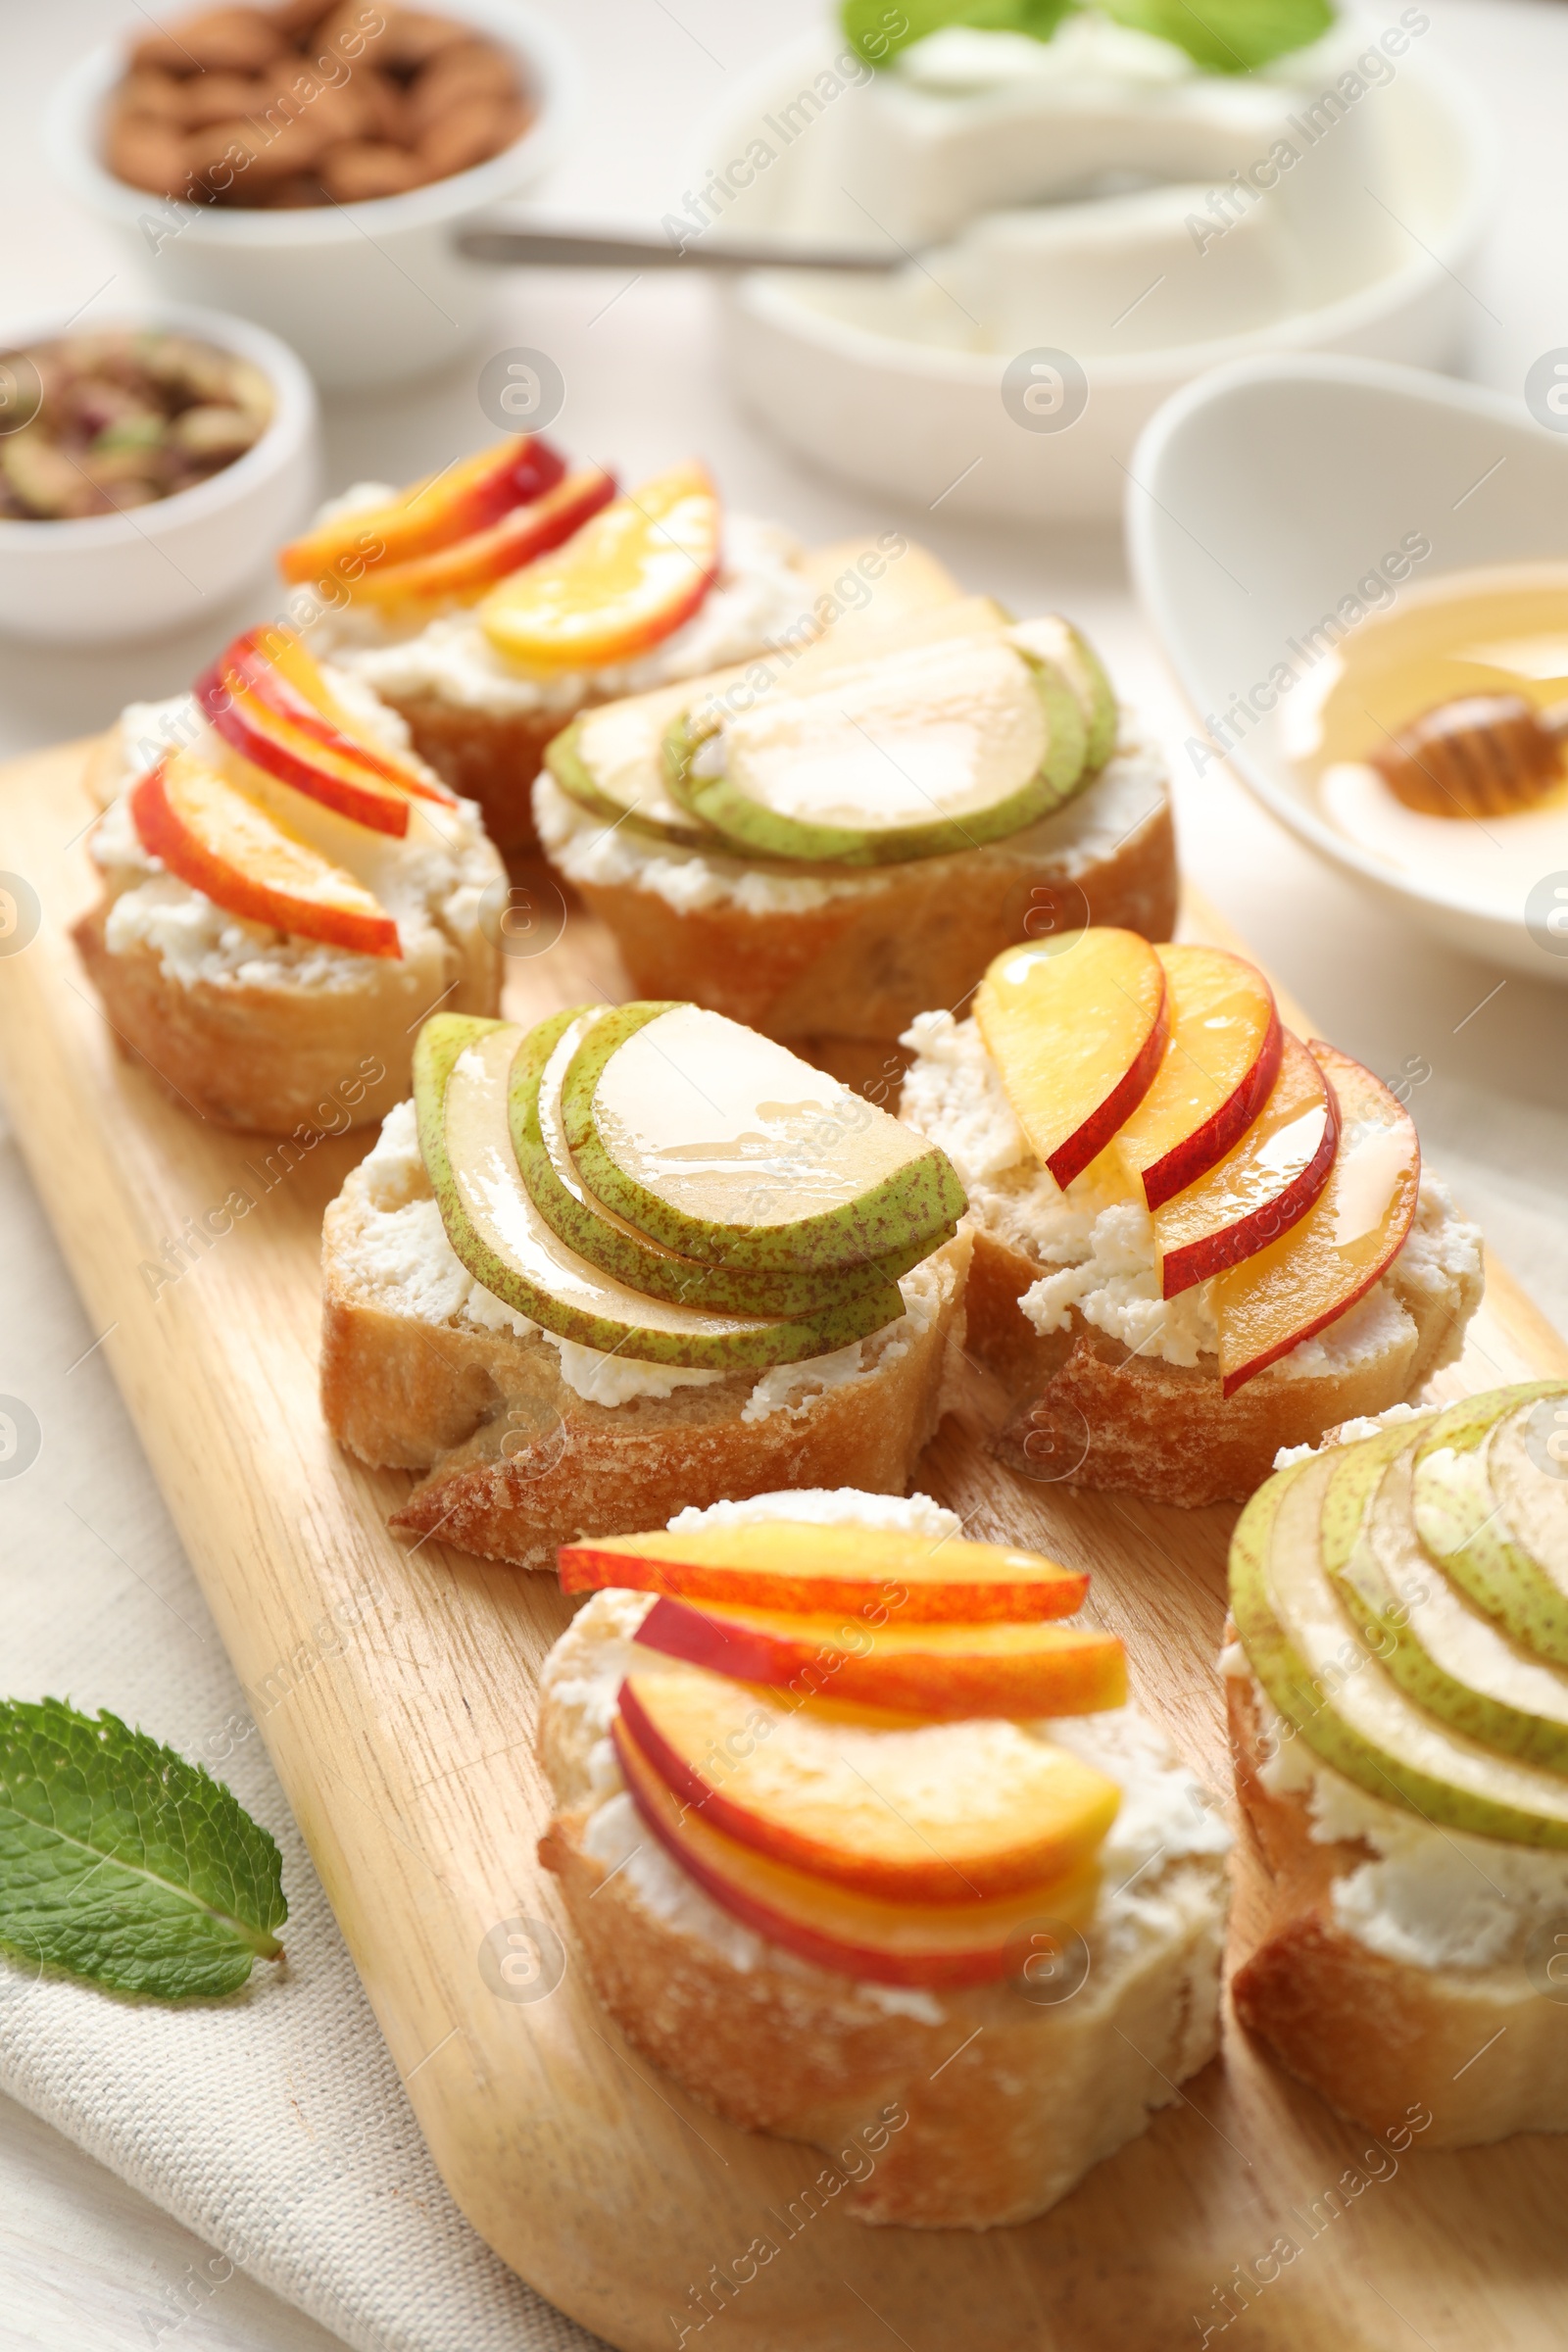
pixel 1263 494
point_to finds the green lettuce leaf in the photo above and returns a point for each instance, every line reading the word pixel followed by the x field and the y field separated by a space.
pixel 122 1862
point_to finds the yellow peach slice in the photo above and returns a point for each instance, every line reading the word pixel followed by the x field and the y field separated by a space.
pixel 934 1813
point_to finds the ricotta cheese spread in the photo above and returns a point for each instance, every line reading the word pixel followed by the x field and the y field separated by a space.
pixel 1431 1896
pixel 402 1250
pixel 430 881
pixel 1166 1816
pixel 1129 791
pixel 1096 1249
pixel 762 593
pixel 1098 192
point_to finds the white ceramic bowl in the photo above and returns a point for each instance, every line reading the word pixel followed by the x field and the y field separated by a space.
pixel 1264 493
pixel 367 294
pixel 108 578
pixel 929 425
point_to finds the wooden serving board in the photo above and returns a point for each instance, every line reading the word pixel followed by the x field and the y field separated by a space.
pixel 395 1691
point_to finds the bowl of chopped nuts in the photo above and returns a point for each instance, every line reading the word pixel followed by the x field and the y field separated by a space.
pixel 148 469
pixel 306 163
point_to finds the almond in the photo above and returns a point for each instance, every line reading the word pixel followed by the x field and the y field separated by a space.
pixel 356 29
pixel 464 136
pixel 412 37
pixel 234 40
pixel 334 110
pixel 221 98
pixel 146 91
pixel 360 170
pixel 295 18
pixel 146 154
pixel 471 70
pixel 386 109
pixel 271 149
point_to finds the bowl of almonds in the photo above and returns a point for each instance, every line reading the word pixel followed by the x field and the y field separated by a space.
pixel 148 468
pixel 305 162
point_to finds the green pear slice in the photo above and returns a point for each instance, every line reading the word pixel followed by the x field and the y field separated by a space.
pixel 1355 1478
pixel 1461 1520
pixel 1527 1462
pixel 860 1300
pixel 1443 1653
pixel 1327 1683
pixel 1055 640
pixel 462 1074
pixel 853 641
pixel 611 761
pixel 924 752
pixel 724 1145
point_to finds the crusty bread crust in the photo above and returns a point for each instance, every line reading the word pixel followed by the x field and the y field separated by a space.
pixel 1084 1411
pixel 1008 2104
pixel 1380 2038
pixel 517 1463
pixel 487 758
pixel 269 1058
pixel 864 963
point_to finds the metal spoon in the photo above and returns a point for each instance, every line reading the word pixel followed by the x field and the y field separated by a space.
pixel 585 249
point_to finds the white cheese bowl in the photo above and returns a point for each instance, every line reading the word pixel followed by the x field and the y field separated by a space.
pixel 1261 497
pixel 100 580
pixel 1371 272
pixel 367 294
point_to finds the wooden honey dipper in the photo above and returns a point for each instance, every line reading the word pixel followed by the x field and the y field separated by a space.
pixel 1482 755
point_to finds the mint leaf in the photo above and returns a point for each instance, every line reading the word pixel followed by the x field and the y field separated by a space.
pixel 120 1862
pixel 1228 36
pixel 877 28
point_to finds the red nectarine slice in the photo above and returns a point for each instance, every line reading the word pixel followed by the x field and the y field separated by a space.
pixel 801 1568
pixel 324 770
pixel 1309 1278
pixel 1221 1058
pixel 1077 1027
pixel 453 503
pixel 461 573
pixel 208 833
pixel 934 1813
pixel 276 665
pixel 1263 1185
pixel 937 1671
pixel 629 579
pixel 883 1943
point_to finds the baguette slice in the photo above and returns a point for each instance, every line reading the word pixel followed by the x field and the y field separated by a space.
pixel 837 960
pixel 1079 1405
pixel 1483 2050
pixel 422 1369
pixel 256 1030
pixel 1004 2103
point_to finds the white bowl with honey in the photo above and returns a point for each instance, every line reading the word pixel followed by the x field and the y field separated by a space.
pixel 1360 574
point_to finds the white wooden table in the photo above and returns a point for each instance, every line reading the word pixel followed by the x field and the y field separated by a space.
pixel 81 2257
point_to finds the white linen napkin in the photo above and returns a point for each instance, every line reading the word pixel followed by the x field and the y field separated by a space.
pixel 273 2124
